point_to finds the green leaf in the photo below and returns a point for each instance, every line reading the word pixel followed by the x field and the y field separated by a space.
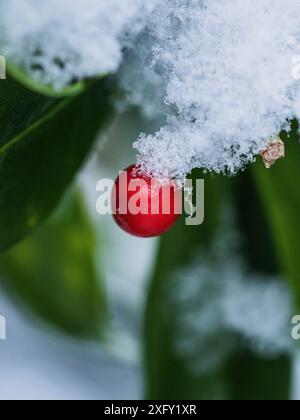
pixel 167 376
pixel 242 374
pixel 279 194
pixel 20 109
pixel 264 377
pixel 254 377
pixel 25 80
pixel 53 273
pixel 43 143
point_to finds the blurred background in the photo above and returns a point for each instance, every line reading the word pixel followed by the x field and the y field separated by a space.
pixel 203 313
pixel 73 295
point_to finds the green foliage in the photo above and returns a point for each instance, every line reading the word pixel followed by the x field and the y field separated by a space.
pixel 25 80
pixel 279 193
pixel 53 273
pixel 43 143
pixel 254 376
pixel 243 374
pixel 167 374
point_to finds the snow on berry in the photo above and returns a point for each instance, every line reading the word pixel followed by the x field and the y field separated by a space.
pixel 223 75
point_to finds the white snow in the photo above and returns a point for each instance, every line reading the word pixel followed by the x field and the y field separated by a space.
pixel 215 301
pixel 218 297
pixel 62 40
pixel 227 76
pixel 221 74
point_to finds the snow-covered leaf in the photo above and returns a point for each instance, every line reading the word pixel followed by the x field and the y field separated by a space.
pixel 223 76
pixel 25 80
pixel 59 42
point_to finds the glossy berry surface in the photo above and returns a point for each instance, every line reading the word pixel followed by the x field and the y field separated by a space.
pixel 143 207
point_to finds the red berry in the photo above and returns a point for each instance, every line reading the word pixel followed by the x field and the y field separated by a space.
pixel 144 207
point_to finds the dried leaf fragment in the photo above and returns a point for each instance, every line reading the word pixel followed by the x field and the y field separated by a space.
pixel 274 152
